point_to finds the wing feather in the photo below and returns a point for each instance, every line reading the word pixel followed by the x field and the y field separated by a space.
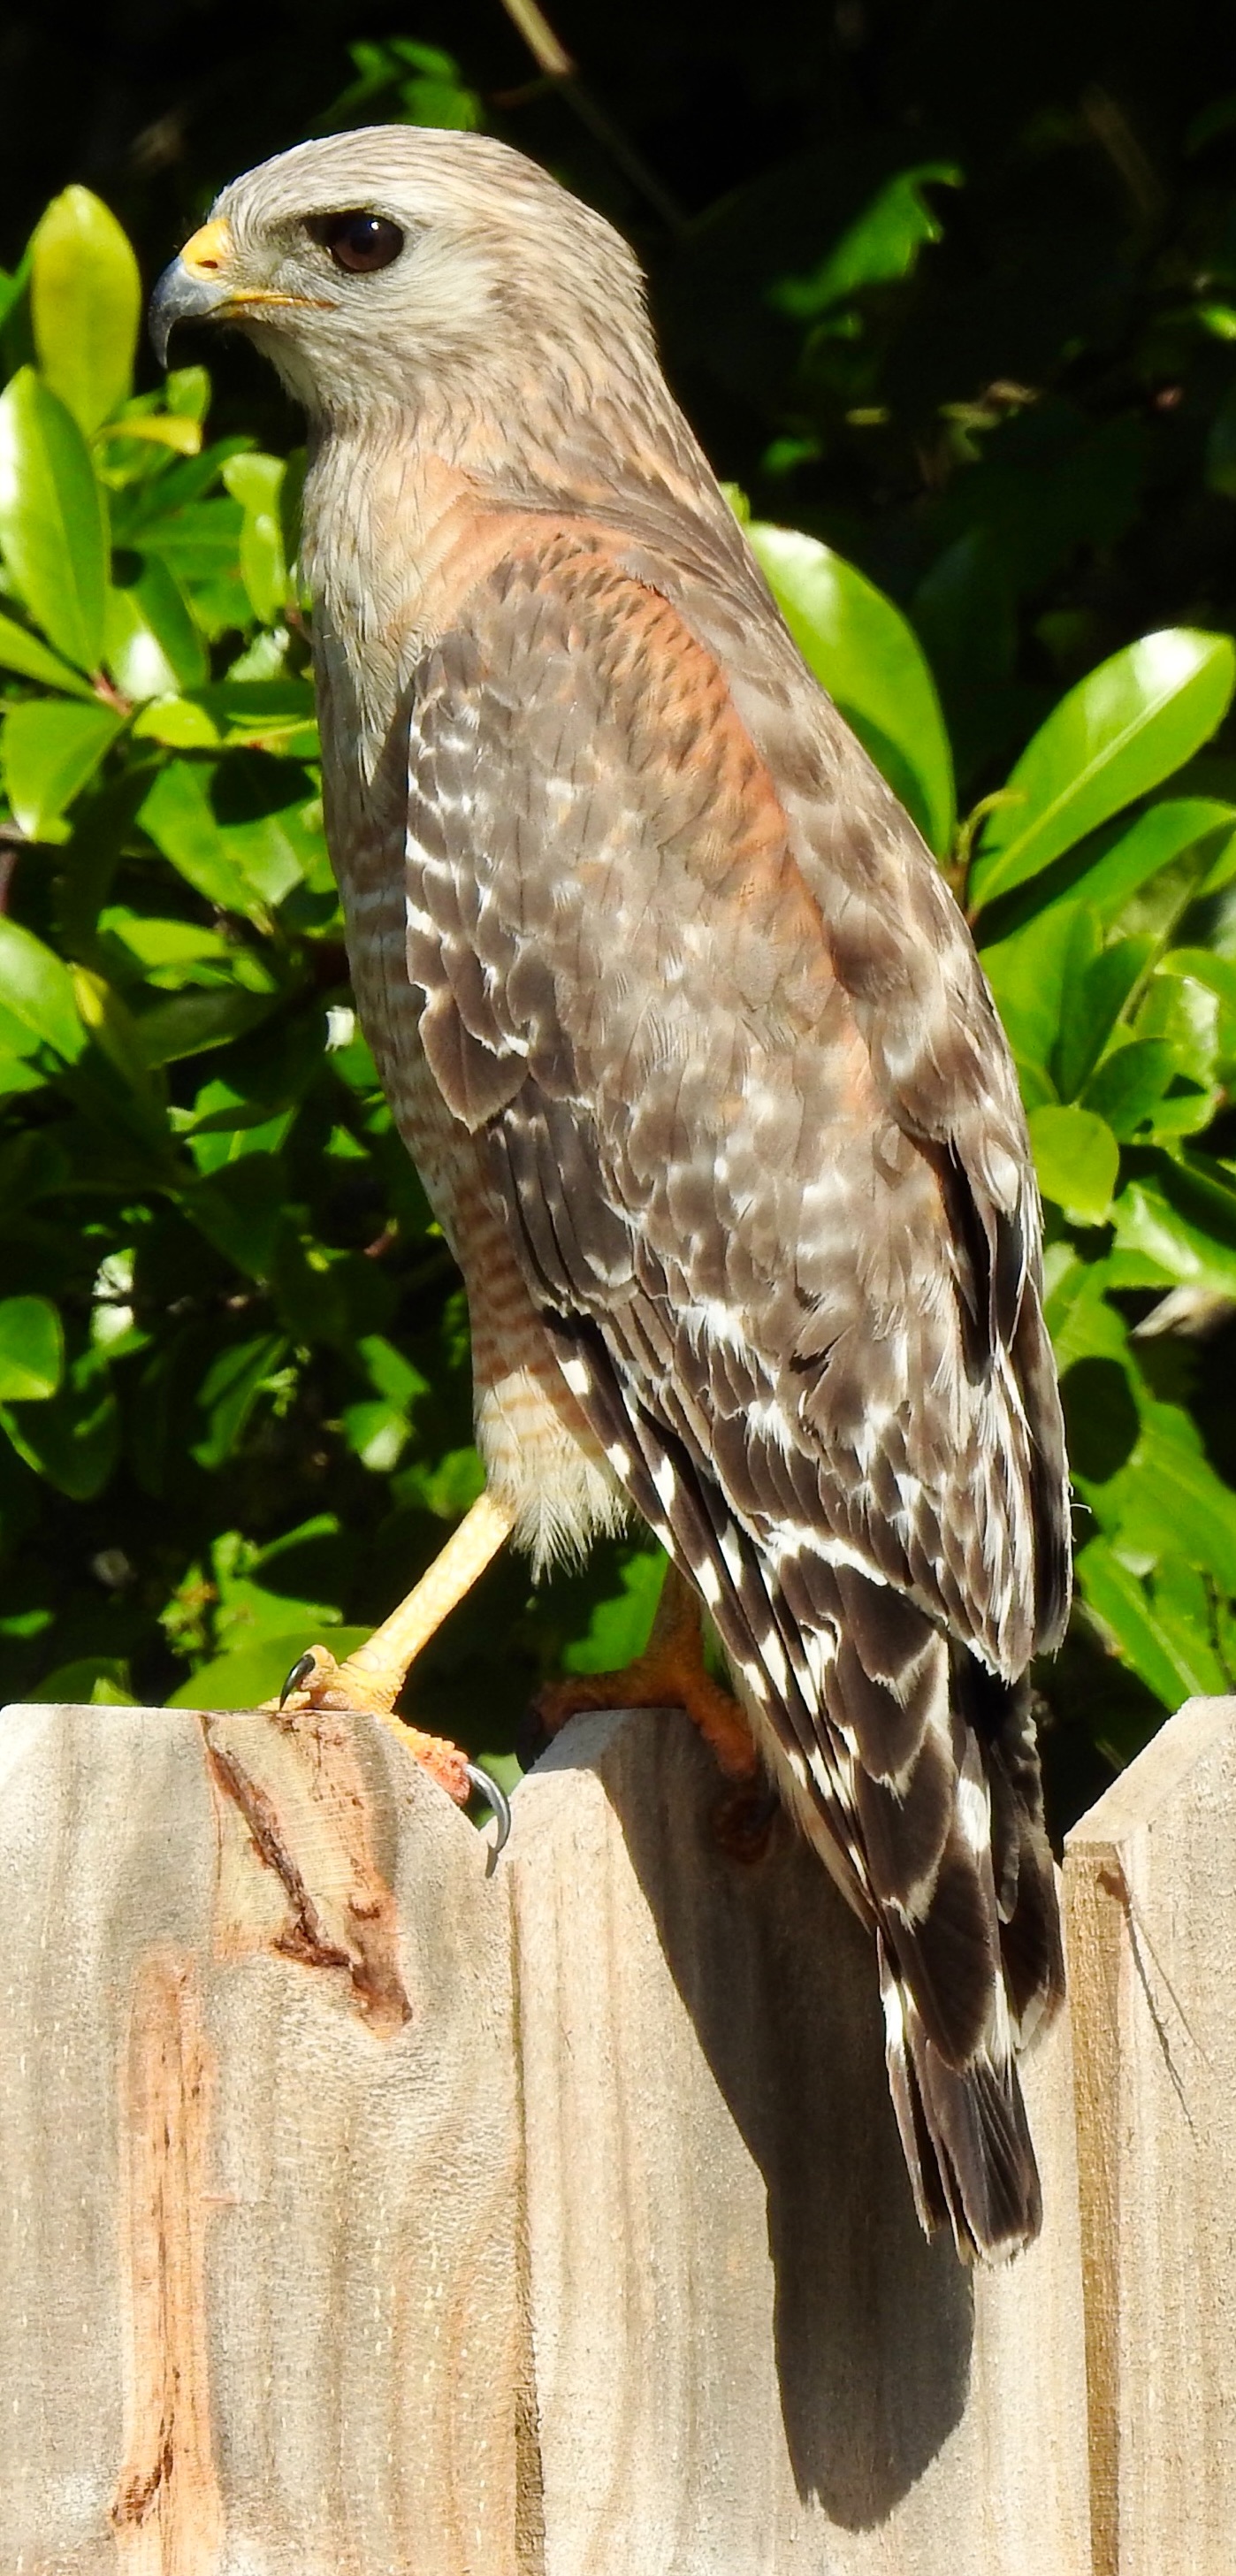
pixel 774 1205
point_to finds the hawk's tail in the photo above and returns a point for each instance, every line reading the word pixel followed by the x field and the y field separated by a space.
pixel 918 1769
pixel 964 2132
pixel 969 1956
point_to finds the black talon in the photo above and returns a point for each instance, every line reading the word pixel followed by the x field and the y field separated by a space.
pixel 496 1798
pixel 300 1672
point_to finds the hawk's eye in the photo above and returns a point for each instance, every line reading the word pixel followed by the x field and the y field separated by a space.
pixel 358 242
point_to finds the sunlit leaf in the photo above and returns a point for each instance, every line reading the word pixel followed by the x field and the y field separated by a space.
pixel 31 1349
pixel 245 862
pixel 1123 857
pixel 1123 1604
pixel 50 747
pixel 153 647
pixel 1130 1083
pixel 1125 727
pixel 1184 1222
pixel 22 652
pixel 251 1674
pixel 158 429
pixel 880 247
pixel 870 661
pixel 1077 1159
pixel 85 303
pixel 1091 1003
pixel 37 990
pixel 1028 974
pixel 179 722
pixel 618 1628
pixel 53 526
pixel 256 481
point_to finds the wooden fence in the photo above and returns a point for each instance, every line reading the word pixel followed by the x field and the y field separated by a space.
pixel 371 2210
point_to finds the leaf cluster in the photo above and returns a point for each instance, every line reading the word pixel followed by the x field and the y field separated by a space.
pixel 234 1402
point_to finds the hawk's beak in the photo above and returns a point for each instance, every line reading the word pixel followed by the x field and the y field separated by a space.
pixel 203 286
pixel 196 286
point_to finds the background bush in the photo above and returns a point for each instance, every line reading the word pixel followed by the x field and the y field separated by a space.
pixel 952 297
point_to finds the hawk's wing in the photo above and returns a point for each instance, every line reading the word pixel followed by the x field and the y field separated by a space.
pixel 776 1212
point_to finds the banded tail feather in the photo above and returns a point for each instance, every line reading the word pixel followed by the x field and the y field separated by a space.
pixel 914 1772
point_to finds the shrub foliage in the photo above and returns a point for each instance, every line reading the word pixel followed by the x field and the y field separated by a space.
pixel 234 1396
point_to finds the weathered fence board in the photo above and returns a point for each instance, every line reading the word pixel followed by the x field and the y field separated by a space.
pixel 747 2356
pixel 1150 1876
pixel 259 2287
pixel 369 2211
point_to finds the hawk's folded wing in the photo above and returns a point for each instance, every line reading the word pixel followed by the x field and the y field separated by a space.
pixel 756 1137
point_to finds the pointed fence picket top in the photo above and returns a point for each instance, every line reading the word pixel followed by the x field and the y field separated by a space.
pixel 374 2209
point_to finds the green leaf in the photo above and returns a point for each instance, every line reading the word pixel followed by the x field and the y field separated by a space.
pixel 23 652
pixel 1092 998
pixel 1077 1159
pixel 390 1372
pixel 191 1023
pixel 85 304
pixel 180 723
pixel 87 1681
pixel 31 1349
pixel 229 1391
pixel 1028 974
pixel 50 747
pixel 53 526
pixel 870 661
pixel 256 482
pixel 1130 1083
pixel 115 1032
pixel 1125 856
pixel 153 647
pixel 1183 1222
pixel 1172 1504
pixel 240 1211
pixel 37 990
pixel 882 246
pixel 1125 727
pixel 157 429
pixel 378 1433
pixel 203 818
pixel 1156 1656
pixel 73 1439
pixel 618 1628
pixel 251 1674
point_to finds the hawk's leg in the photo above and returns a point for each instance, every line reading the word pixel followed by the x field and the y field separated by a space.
pixel 670 1673
pixel 374 1674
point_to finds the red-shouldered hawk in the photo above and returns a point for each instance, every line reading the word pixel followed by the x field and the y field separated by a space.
pixel 691 1046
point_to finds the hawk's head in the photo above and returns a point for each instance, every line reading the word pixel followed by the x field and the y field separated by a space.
pixel 376 264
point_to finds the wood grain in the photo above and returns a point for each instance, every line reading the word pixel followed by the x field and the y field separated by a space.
pixel 747 2358
pixel 259 2268
pixel 1150 1876
pixel 366 2212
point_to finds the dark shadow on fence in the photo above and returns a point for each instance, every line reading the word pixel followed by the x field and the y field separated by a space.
pixel 873 2325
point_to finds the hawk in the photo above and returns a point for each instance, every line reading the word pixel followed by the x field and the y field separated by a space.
pixel 690 1044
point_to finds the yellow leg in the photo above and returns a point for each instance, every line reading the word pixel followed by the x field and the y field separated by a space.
pixel 374 1673
pixel 669 1674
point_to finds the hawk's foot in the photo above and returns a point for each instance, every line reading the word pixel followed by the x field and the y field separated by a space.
pixel 317 1681
pixel 670 1673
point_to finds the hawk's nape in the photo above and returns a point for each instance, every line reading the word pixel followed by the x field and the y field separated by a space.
pixel 694 1053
